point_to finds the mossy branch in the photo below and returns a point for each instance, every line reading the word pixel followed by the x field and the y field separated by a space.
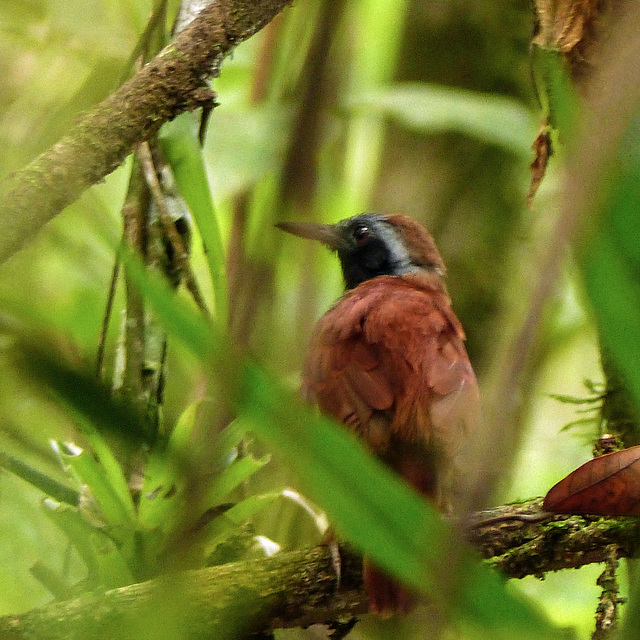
pixel 172 83
pixel 300 587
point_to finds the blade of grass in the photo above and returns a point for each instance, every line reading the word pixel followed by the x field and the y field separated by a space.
pixel 233 476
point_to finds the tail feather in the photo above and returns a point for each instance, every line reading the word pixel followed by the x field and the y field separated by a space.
pixel 386 595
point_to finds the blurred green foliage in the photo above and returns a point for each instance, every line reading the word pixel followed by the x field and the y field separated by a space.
pixel 333 109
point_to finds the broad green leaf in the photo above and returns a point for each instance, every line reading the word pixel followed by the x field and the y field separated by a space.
pixel 436 109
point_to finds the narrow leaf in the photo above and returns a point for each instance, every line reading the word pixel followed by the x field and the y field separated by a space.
pixel 53 488
pixel 233 476
pixel 180 144
pixel 91 473
pixel 434 109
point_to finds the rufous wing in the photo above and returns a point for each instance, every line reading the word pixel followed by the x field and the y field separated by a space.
pixel 388 360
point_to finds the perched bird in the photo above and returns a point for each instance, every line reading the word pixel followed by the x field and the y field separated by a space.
pixel 388 361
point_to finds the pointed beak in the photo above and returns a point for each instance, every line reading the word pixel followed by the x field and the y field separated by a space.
pixel 328 234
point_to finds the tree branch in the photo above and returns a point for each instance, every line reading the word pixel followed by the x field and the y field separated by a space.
pixel 172 83
pixel 300 587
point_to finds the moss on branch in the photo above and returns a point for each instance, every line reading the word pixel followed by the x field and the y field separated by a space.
pixel 300 587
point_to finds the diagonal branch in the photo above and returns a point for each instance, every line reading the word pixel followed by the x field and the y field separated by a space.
pixel 172 83
pixel 299 587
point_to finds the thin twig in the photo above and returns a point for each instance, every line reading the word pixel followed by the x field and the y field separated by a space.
pixel 102 338
pixel 607 611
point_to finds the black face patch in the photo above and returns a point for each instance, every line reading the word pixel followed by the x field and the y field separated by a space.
pixel 371 247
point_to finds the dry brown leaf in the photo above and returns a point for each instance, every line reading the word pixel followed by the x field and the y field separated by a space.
pixel 542 148
pixel 608 486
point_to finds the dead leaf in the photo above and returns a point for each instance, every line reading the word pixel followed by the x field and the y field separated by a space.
pixel 607 486
pixel 542 149
pixel 562 24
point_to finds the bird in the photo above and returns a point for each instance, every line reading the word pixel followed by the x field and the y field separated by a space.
pixel 388 361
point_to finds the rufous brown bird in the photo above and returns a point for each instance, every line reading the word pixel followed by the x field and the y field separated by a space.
pixel 388 361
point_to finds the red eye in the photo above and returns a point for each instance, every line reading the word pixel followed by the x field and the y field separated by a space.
pixel 361 234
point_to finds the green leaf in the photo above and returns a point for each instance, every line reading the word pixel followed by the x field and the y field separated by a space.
pixel 89 399
pixel 436 109
pixel 555 90
pixel 227 523
pixel 180 145
pixel 386 520
pixel 165 469
pixel 89 472
pixel 105 564
pixel 610 265
pixel 182 321
pixel 233 476
pixel 113 472
pixel 52 580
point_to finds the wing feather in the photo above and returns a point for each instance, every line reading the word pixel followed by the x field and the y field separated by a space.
pixel 388 360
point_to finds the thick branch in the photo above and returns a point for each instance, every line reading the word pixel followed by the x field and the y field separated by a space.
pixel 300 587
pixel 174 82
pixel 520 541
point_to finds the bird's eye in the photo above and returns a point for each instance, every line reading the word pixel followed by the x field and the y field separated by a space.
pixel 361 234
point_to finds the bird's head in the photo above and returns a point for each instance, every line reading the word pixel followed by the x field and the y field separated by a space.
pixel 372 244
